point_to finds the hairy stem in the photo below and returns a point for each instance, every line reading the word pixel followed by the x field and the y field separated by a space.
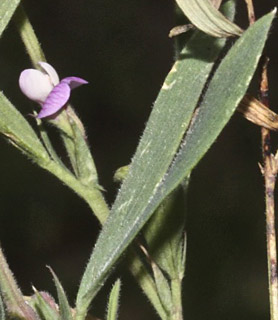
pixel 28 36
pixel 176 286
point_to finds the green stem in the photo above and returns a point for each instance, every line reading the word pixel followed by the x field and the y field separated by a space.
pixel 12 295
pixel 176 288
pixel 92 196
pixel 28 36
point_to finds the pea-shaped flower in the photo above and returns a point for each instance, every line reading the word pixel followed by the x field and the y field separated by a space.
pixel 46 89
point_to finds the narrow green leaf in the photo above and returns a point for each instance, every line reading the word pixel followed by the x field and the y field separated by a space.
pixel 16 128
pixel 47 143
pixel 44 304
pixel 139 196
pixel 113 303
pixel 167 124
pixel 163 288
pixel 164 233
pixel 204 15
pixel 64 306
pixel 7 9
pixel 224 93
pixel 146 282
pixel 2 310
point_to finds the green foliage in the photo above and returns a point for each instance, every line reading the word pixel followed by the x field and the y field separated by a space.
pixel 174 140
pixel 113 303
pixel 45 306
pixel 224 92
pixel 142 189
pixel 164 233
pixel 84 163
pixel 163 288
pixel 7 9
pixel 15 127
pixel 64 307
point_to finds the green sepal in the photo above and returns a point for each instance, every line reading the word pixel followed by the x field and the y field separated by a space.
pixel 163 288
pixel 64 306
pixel 45 305
pixel 113 303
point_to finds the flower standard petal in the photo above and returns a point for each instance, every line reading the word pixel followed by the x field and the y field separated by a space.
pixel 57 98
pixel 54 78
pixel 35 85
pixel 74 82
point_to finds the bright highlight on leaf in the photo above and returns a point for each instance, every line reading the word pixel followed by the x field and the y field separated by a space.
pixel 204 15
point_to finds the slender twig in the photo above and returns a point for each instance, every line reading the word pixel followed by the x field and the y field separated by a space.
pixel 269 171
pixel 251 12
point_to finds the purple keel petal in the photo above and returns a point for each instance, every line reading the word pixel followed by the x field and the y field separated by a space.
pixel 35 85
pixel 74 82
pixel 57 98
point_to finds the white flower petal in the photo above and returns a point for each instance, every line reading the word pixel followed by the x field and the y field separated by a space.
pixel 54 78
pixel 35 85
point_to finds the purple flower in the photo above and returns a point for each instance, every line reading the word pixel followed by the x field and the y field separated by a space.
pixel 46 89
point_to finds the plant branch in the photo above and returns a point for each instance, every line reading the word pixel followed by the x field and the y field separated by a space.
pixel 28 36
pixel 251 12
pixel 269 171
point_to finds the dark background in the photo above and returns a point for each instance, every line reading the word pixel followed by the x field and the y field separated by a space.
pixel 122 49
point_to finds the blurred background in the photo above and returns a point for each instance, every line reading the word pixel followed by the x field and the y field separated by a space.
pixel 122 48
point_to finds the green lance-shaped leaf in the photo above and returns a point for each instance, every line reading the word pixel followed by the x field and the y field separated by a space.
pixel 224 93
pixel 113 303
pixel 7 9
pixel 204 15
pixel 163 288
pixel 64 306
pixel 15 127
pixel 167 124
pixel 137 199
